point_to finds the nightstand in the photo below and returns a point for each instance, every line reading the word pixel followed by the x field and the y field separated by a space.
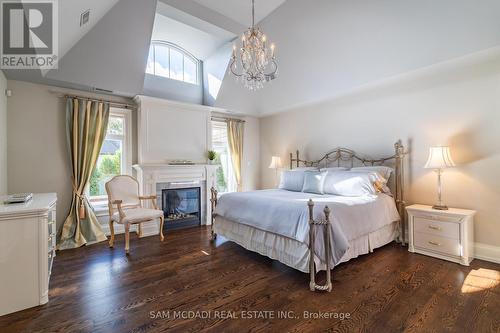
pixel 444 234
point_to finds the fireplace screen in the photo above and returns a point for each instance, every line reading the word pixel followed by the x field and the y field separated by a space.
pixel 181 207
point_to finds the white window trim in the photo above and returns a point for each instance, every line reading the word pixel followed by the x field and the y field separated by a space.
pixel 99 203
pixel 127 133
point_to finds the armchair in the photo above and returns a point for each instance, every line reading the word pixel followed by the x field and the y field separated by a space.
pixel 125 207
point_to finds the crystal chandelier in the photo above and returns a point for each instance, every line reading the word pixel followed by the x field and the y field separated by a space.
pixel 256 61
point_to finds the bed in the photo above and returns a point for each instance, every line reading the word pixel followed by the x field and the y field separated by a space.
pixel 315 231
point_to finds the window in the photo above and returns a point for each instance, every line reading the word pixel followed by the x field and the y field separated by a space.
pixel 225 181
pixel 115 156
pixel 171 61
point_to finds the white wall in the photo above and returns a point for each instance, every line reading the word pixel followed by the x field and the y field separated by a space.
pixel 455 103
pixel 175 90
pixel 38 157
pixel 3 135
pixel 169 130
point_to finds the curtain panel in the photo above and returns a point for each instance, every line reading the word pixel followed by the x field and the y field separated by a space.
pixel 86 125
pixel 235 130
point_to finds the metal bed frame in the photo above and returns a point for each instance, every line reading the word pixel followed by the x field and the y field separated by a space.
pixel 342 157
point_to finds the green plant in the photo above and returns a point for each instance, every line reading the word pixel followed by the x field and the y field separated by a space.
pixel 212 155
pixel 106 167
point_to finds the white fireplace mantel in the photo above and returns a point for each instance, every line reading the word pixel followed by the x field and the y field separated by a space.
pixel 149 175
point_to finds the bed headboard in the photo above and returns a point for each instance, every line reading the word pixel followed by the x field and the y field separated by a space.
pixel 349 158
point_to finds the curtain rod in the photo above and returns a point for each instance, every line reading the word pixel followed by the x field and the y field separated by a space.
pixel 111 103
pixel 226 119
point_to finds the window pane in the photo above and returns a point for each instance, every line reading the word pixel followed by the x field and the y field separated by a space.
pixel 189 70
pixel 115 125
pixel 150 67
pixel 176 65
pixel 109 164
pixel 161 61
pixel 224 174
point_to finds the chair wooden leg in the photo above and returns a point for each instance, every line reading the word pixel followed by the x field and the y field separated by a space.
pixel 112 231
pixel 161 228
pixel 127 237
pixel 139 229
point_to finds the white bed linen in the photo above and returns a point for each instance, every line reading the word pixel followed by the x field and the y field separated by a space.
pixel 285 213
pixel 295 254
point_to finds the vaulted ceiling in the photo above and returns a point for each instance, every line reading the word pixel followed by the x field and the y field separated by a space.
pixel 325 48
pixel 240 10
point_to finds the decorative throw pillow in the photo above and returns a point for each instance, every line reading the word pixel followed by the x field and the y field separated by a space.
pixel 313 182
pixel 292 180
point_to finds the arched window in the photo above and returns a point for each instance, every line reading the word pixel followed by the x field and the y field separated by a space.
pixel 171 61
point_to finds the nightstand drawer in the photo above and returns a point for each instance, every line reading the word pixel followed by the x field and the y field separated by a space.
pixel 438 228
pixel 437 217
pixel 437 243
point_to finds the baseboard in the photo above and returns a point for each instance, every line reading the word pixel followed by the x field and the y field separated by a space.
pixel 487 252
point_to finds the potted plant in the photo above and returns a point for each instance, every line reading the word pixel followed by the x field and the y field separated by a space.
pixel 211 155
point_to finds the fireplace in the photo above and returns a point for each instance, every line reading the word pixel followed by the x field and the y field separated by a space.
pixel 181 207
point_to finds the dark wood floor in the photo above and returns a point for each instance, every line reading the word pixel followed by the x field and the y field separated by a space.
pixel 96 289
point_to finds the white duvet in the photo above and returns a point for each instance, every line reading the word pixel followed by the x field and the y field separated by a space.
pixel 286 213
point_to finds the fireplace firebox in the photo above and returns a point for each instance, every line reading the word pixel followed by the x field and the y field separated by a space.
pixel 181 207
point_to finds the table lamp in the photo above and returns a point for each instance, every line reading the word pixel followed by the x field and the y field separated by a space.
pixel 275 164
pixel 439 159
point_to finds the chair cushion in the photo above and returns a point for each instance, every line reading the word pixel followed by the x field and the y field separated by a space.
pixel 136 215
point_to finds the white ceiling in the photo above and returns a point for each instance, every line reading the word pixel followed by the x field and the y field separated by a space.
pixel 199 43
pixel 70 31
pixel 241 10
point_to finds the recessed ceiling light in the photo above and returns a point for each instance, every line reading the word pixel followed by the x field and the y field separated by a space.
pixel 84 17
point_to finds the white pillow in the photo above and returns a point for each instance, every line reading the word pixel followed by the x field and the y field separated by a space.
pixel 292 180
pixel 334 169
pixel 349 183
pixel 383 170
pixel 313 182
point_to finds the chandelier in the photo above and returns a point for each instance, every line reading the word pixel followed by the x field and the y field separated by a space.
pixel 255 63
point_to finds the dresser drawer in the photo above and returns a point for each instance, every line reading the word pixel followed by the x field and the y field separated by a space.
pixel 437 243
pixel 438 228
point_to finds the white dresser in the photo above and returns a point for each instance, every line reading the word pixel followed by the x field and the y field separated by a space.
pixel 27 249
pixel 444 234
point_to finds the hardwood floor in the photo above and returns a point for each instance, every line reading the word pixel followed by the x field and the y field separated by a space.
pixel 96 289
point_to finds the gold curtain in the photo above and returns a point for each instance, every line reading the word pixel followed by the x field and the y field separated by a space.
pixel 235 138
pixel 86 125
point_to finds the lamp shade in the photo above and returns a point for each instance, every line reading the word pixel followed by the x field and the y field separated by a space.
pixel 439 158
pixel 275 162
